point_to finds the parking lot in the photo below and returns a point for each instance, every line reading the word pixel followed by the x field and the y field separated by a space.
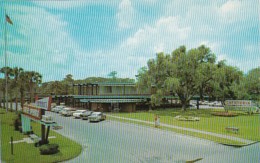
pixel 110 141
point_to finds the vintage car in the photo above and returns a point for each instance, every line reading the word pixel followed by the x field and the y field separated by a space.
pixel 77 114
pixel 56 109
pixel 96 117
pixel 67 111
pixel 85 115
pixel 47 119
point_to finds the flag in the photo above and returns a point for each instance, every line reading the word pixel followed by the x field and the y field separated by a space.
pixel 8 19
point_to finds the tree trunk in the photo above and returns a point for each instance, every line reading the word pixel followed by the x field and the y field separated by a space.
pixel 31 92
pixel 22 97
pixel 201 94
pixel 16 103
pixel 11 102
pixel 184 104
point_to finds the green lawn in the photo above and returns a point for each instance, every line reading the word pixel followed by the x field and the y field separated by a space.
pixel 248 124
pixel 24 152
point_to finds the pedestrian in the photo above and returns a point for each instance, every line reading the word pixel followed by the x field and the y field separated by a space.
pixel 158 121
pixel 155 120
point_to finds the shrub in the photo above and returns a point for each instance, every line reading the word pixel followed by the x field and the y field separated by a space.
pixel 17 123
pixel 225 114
pixel 49 149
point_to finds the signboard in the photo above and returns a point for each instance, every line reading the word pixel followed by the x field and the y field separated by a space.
pixel 238 103
pixel 32 111
pixel 44 103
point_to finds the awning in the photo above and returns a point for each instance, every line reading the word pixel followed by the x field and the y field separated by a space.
pixel 112 100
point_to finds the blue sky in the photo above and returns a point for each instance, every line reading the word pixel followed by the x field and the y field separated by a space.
pixel 94 37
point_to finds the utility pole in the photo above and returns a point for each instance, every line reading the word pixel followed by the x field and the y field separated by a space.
pixel 6 85
pixel 7 20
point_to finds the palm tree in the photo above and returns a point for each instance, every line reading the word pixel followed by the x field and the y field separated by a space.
pixel 22 81
pixel 17 83
pixel 8 72
pixel 34 79
pixel 2 89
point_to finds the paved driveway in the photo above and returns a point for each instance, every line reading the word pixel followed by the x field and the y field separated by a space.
pixel 111 141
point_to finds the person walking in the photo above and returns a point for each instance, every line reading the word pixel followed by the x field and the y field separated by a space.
pixel 157 121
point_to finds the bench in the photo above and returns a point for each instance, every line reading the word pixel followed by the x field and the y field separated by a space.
pixel 233 129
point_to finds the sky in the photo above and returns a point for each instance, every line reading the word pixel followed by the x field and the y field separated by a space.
pixel 88 38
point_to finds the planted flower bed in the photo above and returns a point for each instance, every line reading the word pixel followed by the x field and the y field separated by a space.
pixel 186 118
pixel 225 114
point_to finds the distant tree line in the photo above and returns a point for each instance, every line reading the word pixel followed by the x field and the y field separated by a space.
pixel 196 73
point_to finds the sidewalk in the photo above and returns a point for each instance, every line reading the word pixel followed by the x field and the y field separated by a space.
pixel 190 129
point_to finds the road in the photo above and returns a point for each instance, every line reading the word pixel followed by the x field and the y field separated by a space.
pixel 110 141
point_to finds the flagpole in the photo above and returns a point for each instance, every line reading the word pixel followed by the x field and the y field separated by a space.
pixel 6 85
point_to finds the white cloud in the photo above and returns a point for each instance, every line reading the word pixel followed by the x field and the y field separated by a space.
pixel 214 46
pixel 125 15
pixel 230 6
pixel 164 35
pixel 221 57
pixel 238 11
pixel 229 10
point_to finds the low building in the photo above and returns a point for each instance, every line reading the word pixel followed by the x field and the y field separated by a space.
pixel 107 97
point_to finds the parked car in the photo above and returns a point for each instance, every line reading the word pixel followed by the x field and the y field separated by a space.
pixel 85 115
pixel 47 119
pixel 215 103
pixel 67 111
pixel 96 117
pixel 78 113
pixel 57 109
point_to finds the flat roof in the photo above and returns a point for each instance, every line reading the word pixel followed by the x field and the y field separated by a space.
pixel 106 84
pixel 112 100
pixel 111 96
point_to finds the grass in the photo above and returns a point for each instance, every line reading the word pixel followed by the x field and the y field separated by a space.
pixel 24 152
pixel 194 134
pixel 248 124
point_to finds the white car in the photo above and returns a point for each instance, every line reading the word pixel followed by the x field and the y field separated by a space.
pixel 85 115
pixel 96 117
pixel 47 119
pixel 57 109
pixel 78 113
pixel 67 111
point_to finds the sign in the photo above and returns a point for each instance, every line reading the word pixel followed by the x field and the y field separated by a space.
pixel 44 103
pixel 238 103
pixel 32 111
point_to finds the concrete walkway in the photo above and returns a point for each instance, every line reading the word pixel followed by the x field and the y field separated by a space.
pixel 29 140
pixel 189 129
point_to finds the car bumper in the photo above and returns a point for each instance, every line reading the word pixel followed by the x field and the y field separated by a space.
pixel 94 120
pixel 76 116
